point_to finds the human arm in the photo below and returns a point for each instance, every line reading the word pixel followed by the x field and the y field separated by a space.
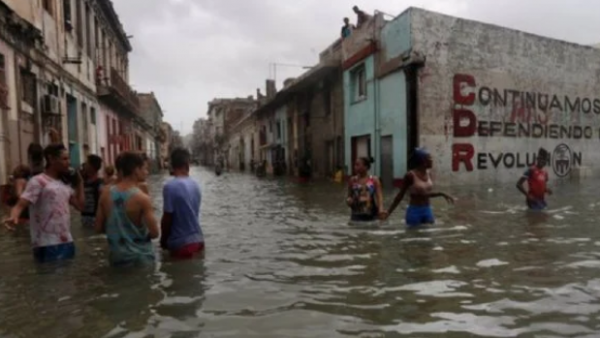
pixel 144 188
pixel 101 213
pixel 148 217
pixel 20 185
pixel 167 217
pixel 548 190
pixel 30 195
pixel 379 199
pixel 521 182
pixel 407 182
pixel 77 200
pixel 447 197
pixel 15 213
pixel 349 193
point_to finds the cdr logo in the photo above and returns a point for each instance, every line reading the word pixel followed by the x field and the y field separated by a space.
pixel 562 160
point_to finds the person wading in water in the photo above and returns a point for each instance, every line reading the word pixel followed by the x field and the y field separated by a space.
pixel 537 180
pixel 364 193
pixel 419 185
pixel 126 216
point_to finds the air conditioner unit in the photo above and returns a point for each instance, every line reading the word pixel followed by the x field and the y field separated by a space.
pixel 51 104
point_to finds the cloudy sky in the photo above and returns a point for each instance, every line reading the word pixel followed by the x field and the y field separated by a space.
pixel 191 51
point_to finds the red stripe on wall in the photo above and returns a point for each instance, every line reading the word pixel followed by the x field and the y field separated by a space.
pixel 359 56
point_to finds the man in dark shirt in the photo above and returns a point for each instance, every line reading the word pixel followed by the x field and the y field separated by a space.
pixel 347 28
pixel 361 17
pixel 91 187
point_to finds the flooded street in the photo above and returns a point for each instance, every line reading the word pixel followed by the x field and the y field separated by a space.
pixel 281 261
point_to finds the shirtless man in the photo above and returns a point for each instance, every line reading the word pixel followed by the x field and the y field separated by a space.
pixel 126 216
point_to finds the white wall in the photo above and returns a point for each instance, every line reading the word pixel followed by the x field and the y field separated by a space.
pixel 467 61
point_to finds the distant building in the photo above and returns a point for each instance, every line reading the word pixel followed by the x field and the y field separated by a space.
pixel 152 116
pixel 301 127
pixel 223 114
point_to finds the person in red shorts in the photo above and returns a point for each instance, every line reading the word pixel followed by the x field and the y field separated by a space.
pixel 180 225
pixel 537 180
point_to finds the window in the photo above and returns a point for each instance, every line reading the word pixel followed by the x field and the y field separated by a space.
pixel 79 23
pixel 359 83
pixel 48 6
pixel 28 84
pixel 3 86
pixel 52 89
pixel 68 21
pixel 88 31
pixel 278 130
pixel 2 70
pixel 93 116
pixel 96 34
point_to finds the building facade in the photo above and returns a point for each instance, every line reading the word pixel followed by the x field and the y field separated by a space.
pixel 223 115
pixel 63 79
pixel 301 127
pixel 152 116
pixel 482 109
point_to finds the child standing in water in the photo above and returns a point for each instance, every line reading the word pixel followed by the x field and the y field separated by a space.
pixel 420 187
pixel 537 179
pixel 364 193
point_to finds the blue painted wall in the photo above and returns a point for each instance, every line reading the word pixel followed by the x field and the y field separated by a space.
pixel 359 116
pixel 384 110
pixel 392 110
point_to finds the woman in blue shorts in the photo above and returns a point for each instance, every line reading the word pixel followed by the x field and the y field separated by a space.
pixel 419 185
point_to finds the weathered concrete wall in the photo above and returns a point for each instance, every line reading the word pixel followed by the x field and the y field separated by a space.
pixel 490 97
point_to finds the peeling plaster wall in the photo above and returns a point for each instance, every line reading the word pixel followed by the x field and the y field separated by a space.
pixel 467 62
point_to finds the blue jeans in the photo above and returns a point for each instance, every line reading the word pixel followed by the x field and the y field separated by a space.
pixel 51 253
pixel 418 215
pixel 537 205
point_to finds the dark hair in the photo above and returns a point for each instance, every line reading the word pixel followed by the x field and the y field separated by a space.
pixel 129 161
pixel 21 171
pixel 118 162
pixel 180 158
pixel 109 170
pixel 35 152
pixel 95 161
pixel 355 7
pixel 367 161
pixel 53 151
pixel 543 154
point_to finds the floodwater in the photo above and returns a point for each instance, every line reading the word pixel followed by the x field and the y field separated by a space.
pixel 281 261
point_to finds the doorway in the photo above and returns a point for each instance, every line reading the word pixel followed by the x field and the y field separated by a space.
pixel 361 147
pixel 387 161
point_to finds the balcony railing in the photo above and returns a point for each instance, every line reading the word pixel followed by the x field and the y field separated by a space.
pixel 117 90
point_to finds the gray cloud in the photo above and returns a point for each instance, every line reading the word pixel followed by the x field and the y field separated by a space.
pixel 190 51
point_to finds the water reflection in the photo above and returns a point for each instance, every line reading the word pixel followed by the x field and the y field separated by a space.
pixel 281 261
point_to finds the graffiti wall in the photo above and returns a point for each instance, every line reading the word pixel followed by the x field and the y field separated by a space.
pixel 491 97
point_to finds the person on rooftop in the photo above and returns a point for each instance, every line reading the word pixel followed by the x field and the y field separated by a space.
pixel 361 17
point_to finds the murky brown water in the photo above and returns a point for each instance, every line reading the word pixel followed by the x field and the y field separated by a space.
pixel 281 262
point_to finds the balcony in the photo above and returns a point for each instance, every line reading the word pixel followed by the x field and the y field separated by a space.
pixel 116 92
